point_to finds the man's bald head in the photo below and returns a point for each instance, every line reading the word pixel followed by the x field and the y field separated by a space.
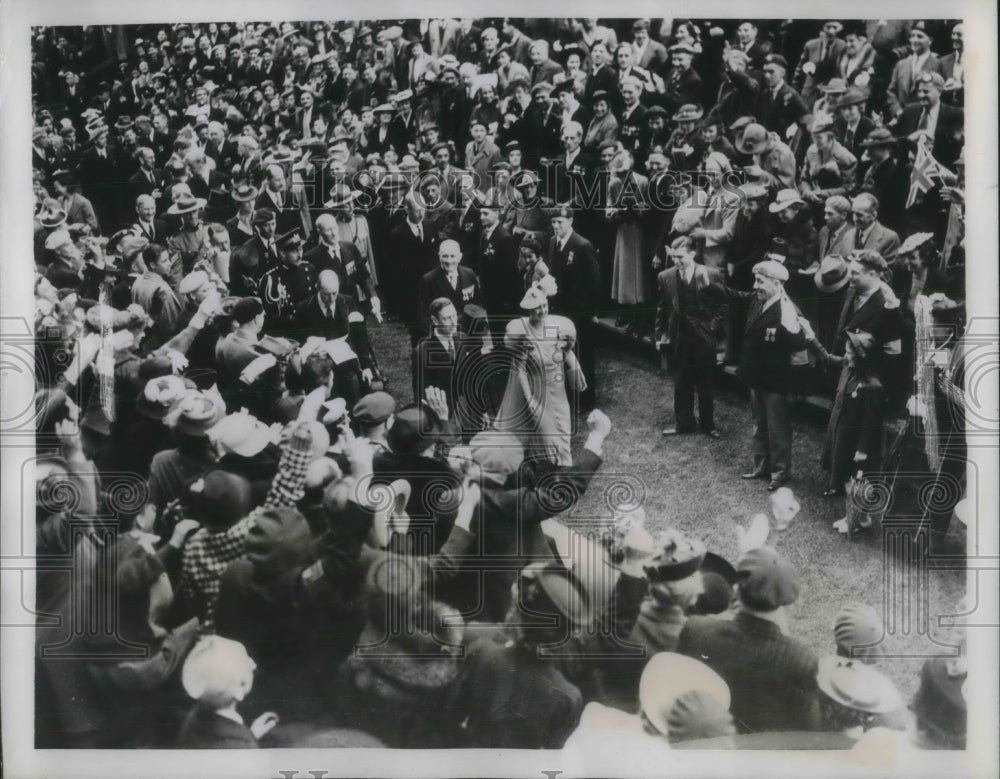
pixel 329 282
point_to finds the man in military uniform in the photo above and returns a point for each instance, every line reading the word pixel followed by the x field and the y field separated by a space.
pixel 286 285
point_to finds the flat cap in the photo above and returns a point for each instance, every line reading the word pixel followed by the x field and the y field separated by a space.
pixel 374 408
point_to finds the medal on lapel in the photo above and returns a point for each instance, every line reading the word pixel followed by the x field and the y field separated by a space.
pixel 569 258
pixel 770 334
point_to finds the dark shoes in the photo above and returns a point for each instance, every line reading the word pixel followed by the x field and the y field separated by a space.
pixel 754 475
pixel 713 433
pixel 671 431
pixel 774 484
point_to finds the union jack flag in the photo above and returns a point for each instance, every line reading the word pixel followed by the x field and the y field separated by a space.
pixel 925 170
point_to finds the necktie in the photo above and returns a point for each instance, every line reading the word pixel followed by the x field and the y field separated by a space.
pixel 924 119
pixel 688 276
pixel 822 50
pixel 420 233
pixel 453 280
pixel 849 140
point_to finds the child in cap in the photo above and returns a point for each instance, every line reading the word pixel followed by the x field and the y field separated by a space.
pixel 218 674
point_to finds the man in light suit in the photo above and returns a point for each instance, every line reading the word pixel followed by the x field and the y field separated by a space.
pixel 833 234
pixel 686 324
pixel 906 74
pixel 481 154
pixel 868 232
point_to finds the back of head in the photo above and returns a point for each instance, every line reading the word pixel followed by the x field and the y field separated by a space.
pixel 279 540
pixel 221 500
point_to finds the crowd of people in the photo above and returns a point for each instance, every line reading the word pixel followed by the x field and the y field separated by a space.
pixel 222 211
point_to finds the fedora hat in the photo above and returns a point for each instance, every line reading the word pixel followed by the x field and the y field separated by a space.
pixel 123 122
pixel 689 112
pixel 853 96
pixel 244 192
pixel 50 219
pixel 282 155
pixel 341 196
pixel 669 675
pixel 186 204
pixel 857 686
pixel 879 137
pixel 96 130
pixel 834 85
pixel 831 276
pixel 755 139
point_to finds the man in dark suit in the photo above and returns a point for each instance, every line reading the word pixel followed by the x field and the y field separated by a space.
pixel 497 263
pixel 687 322
pixel 330 315
pixel 771 335
pixel 438 361
pixel 147 225
pixel 147 180
pixel 944 123
pixel 883 177
pixel 342 257
pixel 778 106
pixel 155 139
pixel 449 280
pixel 96 174
pixel 682 84
pixel 772 676
pixel 852 127
pixel 602 77
pixel 220 148
pixel 415 247
pixel 871 307
pixel 572 260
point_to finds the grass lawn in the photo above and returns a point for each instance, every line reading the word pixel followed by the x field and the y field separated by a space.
pixel 693 483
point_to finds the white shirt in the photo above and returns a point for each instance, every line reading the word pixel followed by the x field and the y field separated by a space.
pixel 488 233
pixel 417 228
pixel 932 118
pixel 570 156
pixel 561 242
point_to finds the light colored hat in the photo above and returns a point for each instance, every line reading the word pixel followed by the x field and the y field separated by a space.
pixel 57 239
pixel 242 434
pixel 784 199
pixel 212 664
pixel 669 675
pixel 538 293
pixel 192 282
pixel 913 242
pixel 772 269
pixel 857 686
